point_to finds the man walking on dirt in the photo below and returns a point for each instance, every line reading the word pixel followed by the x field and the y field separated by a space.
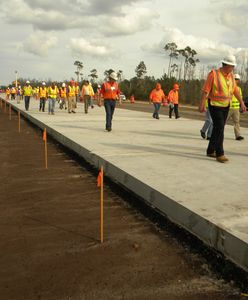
pixel 219 88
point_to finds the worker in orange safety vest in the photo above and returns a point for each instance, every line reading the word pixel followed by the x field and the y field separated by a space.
pixel 219 89
pixel 110 92
pixel 173 100
pixel 156 97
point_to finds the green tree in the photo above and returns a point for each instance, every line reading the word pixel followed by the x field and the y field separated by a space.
pixel 79 66
pixel 173 53
pixel 93 75
pixel 140 70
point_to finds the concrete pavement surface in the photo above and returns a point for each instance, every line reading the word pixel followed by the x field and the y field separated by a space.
pixel 164 162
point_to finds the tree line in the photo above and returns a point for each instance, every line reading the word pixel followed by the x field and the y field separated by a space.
pixel 181 69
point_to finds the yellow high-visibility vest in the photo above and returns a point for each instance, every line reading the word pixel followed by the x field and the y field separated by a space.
pixel 235 102
pixel 222 91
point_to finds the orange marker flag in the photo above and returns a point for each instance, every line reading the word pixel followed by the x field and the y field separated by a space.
pixel 99 179
pixel 44 135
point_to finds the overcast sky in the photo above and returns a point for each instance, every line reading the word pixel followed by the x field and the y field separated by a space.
pixel 42 38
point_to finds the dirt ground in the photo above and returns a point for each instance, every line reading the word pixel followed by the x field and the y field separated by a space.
pixel 49 234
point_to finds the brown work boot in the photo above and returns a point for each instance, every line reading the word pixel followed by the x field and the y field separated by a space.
pixel 222 159
pixel 211 155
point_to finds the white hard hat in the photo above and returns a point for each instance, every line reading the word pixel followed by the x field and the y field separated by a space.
pixel 237 76
pixel 63 84
pixel 43 83
pixel 113 75
pixel 229 60
pixel 27 81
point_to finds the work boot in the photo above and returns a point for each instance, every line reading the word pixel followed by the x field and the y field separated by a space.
pixel 222 159
pixel 239 138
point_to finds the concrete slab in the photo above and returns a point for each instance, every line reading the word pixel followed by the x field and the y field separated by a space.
pixel 163 161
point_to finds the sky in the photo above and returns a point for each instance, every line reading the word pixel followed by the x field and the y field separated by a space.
pixel 42 39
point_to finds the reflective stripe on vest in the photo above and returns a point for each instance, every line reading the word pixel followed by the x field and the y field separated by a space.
pixel 43 92
pixel 71 91
pixel 110 90
pixel 52 93
pixel 222 91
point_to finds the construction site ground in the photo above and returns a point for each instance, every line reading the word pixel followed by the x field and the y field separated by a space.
pixel 49 230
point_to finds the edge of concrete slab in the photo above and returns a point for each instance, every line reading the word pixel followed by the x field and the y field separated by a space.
pixel 211 234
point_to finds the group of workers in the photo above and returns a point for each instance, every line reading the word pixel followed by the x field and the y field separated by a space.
pixel 221 99
pixel 157 97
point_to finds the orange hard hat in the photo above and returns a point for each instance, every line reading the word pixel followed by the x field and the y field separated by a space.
pixel 175 86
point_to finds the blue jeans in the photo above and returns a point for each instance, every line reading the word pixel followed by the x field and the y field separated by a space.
pixel 109 108
pixel 156 110
pixel 208 125
pixel 51 105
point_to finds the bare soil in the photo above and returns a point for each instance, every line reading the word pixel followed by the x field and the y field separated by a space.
pixel 49 234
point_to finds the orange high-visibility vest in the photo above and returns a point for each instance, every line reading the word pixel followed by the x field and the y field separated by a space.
pixel 222 90
pixel 43 92
pixel 173 96
pixel 72 91
pixel 63 92
pixel 111 90
pixel 156 96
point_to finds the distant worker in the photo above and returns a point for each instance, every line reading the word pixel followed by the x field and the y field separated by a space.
pixel 13 93
pixel 110 92
pixel 234 113
pixel 19 94
pixel 27 93
pixel 53 93
pixel 77 93
pixel 98 95
pixel 156 97
pixel 207 127
pixel 219 88
pixel 63 97
pixel 87 93
pixel 71 97
pixel 43 96
pixel 132 99
pixel 7 93
pixel 173 100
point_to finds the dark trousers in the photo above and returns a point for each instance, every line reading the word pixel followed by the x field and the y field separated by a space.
pixel 26 100
pixel 109 108
pixel 175 108
pixel 156 110
pixel 42 103
pixel 219 116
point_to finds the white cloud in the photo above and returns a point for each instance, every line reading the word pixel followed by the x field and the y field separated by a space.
pixel 208 51
pixel 39 43
pixel 135 20
pixel 94 48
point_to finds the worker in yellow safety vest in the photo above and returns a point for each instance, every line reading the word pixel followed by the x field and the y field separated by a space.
pixel 71 97
pixel 43 96
pixel 53 93
pixel 27 93
pixel 234 113
pixel 63 97
pixel 219 89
